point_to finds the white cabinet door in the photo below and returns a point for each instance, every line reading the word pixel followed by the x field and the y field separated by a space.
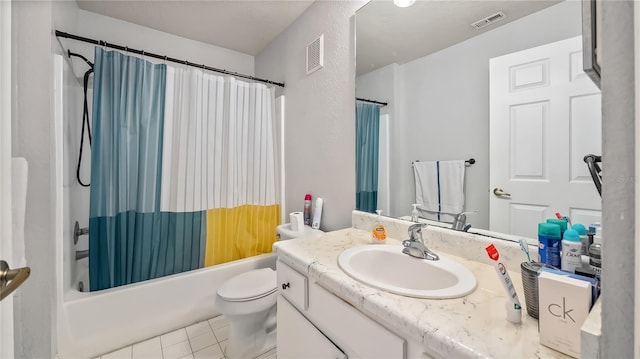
pixel 545 116
pixel 299 339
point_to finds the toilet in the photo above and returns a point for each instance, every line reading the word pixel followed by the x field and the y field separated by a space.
pixel 248 300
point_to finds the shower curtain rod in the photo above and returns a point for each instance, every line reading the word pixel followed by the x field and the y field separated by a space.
pixel 382 104
pixel 162 57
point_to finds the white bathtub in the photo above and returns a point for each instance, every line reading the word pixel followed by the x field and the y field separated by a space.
pixel 93 323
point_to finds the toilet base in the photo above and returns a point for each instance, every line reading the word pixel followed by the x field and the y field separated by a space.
pixel 247 341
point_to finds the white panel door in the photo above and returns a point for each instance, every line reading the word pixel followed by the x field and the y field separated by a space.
pixel 545 116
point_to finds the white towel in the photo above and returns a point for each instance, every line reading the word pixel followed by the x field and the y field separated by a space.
pixel 439 188
pixel 19 175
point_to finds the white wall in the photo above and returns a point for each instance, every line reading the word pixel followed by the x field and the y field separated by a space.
pixel 619 180
pixel 443 104
pixel 320 110
pixel 31 133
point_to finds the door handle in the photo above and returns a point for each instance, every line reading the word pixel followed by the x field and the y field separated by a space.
pixel 499 192
pixel 11 279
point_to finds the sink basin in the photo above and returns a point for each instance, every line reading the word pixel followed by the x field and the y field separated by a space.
pixel 386 267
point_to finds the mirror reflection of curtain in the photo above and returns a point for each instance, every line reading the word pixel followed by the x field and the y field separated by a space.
pixel 367 148
pixel 184 170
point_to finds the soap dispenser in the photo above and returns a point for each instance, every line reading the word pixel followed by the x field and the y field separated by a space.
pixel 414 213
pixel 378 232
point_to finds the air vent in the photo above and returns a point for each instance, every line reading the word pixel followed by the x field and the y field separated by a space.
pixel 315 54
pixel 489 20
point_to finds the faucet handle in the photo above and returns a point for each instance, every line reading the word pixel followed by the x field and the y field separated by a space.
pixel 415 231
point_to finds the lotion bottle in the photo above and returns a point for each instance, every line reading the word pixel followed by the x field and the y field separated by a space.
pixel 378 232
pixel 414 213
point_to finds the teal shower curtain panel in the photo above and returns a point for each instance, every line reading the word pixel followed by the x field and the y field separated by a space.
pixel 367 148
pixel 130 238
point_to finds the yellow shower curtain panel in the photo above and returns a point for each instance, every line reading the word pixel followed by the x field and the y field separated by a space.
pixel 240 232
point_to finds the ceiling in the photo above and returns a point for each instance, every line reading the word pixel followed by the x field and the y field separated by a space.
pixel 241 25
pixel 388 34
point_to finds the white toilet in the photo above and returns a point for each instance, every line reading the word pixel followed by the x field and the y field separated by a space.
pixel 248 300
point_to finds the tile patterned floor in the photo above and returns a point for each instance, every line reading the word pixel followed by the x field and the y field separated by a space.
pixel 204 340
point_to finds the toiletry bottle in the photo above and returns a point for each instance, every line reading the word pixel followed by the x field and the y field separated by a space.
pixel 561 222
pixel 549 243
pixel 307 209
pixel 317 213
pixel 571 251
pixel 584 238
pixel 414 213
pixel 595 253
pixel 378 232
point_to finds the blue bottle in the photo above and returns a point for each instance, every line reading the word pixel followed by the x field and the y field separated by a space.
pixel 549 237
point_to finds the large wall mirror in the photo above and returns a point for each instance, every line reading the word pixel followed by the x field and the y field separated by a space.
pixel 436 74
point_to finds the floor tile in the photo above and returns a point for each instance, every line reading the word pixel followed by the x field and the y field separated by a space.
pixel 218 322
pixel 177 350
pixel 199 329
pixel 189 356
pixel 202 341
pixel 147 348
pixel 222 333
pixel 124 353
pixel 212 352
pixel 174 337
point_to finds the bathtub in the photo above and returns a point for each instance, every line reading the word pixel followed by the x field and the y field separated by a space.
pixel 94 323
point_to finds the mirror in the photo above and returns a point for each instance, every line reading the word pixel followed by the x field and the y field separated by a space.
pixel 433 69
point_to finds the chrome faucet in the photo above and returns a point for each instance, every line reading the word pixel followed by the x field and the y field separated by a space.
pixel 414 246
pixel 460 222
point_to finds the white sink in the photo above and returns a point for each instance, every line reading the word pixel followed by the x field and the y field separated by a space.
pixel 386 267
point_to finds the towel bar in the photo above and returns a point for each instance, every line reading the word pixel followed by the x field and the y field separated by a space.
pixel 467 163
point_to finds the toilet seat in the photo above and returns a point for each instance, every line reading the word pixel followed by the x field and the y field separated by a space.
pixel 250 285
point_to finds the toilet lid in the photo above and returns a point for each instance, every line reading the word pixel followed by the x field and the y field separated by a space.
pixel 250 285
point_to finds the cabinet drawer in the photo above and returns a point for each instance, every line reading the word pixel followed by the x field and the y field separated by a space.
pixel 292 285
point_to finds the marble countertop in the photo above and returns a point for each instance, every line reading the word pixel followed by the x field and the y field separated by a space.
pixel 473 326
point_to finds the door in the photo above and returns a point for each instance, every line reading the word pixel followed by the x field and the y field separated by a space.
pixel 6 250
pixel 544 118
pixel 298 338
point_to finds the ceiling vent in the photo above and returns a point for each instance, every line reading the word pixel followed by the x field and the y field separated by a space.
pixel 315 54
pixel 489 20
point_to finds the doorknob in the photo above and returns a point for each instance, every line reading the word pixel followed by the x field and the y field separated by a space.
pixel 11 279
pixel 499 192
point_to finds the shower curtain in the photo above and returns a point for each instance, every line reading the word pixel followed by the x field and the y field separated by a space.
pixel 183 170
pixel 367 144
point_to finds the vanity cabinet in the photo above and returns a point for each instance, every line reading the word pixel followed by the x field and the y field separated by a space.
pixel 312 322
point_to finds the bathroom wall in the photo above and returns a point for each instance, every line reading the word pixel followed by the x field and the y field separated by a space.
pixel 442 103
pixel 320 109
pixel 619 180
pixel 120 32
pixel 31 133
